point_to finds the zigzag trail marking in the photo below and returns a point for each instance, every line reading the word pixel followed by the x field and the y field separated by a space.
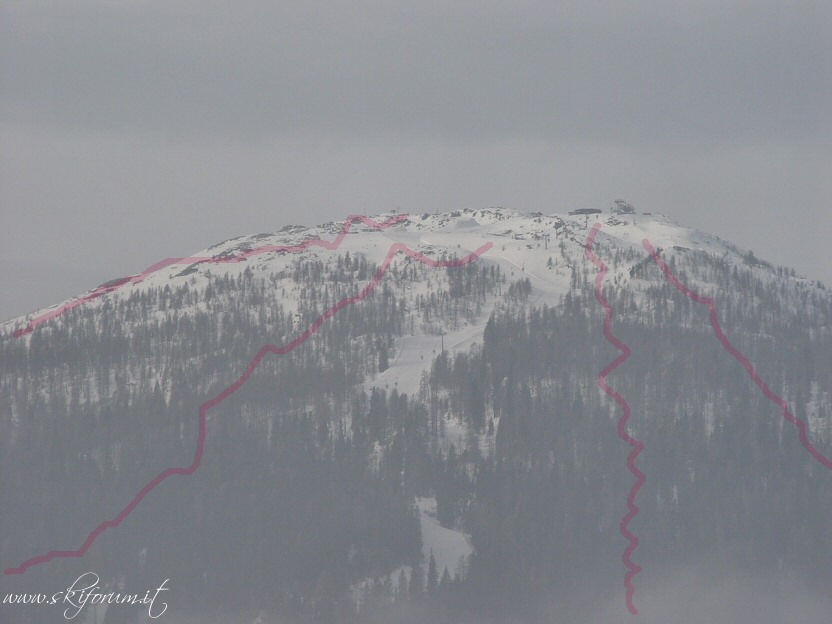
pixel 191 260
pixel 242 379
pixel 739 356
pixel 638 445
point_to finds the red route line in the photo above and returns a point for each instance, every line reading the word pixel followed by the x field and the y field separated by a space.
pixel 191 260
pixel 242 379
pixel 638 445
pixel 739 356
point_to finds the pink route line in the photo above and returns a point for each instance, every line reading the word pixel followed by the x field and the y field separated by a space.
pixel 242 379
pixel 191 260
pixel 740 357
pixel 638 445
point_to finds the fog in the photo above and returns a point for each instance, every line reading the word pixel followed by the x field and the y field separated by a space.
pixel 701 596
pixel 134 131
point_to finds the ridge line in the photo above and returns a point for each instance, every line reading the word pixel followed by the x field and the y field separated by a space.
pixel 118 284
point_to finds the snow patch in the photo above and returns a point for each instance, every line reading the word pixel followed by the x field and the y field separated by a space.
pixel 449 547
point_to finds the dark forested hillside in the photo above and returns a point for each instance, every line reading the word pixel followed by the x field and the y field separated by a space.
pixel 303 507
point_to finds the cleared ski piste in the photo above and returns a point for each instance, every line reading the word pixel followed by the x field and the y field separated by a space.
pixel 267 349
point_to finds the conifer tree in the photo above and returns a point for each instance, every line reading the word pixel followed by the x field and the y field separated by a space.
pixel 433 576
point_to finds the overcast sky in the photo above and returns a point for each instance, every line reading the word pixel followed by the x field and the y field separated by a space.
pixel 133 130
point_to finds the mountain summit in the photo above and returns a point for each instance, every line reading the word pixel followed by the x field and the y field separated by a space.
pixel 474 416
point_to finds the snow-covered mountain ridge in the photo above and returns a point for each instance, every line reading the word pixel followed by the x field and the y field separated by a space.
pixel 544 248
pixel 547 250
pixel 368 381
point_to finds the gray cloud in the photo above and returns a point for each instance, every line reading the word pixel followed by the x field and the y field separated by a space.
pixel 136 130
pixel 631 73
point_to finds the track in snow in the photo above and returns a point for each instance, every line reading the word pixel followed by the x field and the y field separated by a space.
pixel 638 445
pixel 739 356
pixel 252 365
pixel 192 260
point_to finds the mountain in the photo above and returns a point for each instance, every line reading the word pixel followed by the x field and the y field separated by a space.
pixel 479 416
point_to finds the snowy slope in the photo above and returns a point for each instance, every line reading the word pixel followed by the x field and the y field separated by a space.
pixel 548 250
